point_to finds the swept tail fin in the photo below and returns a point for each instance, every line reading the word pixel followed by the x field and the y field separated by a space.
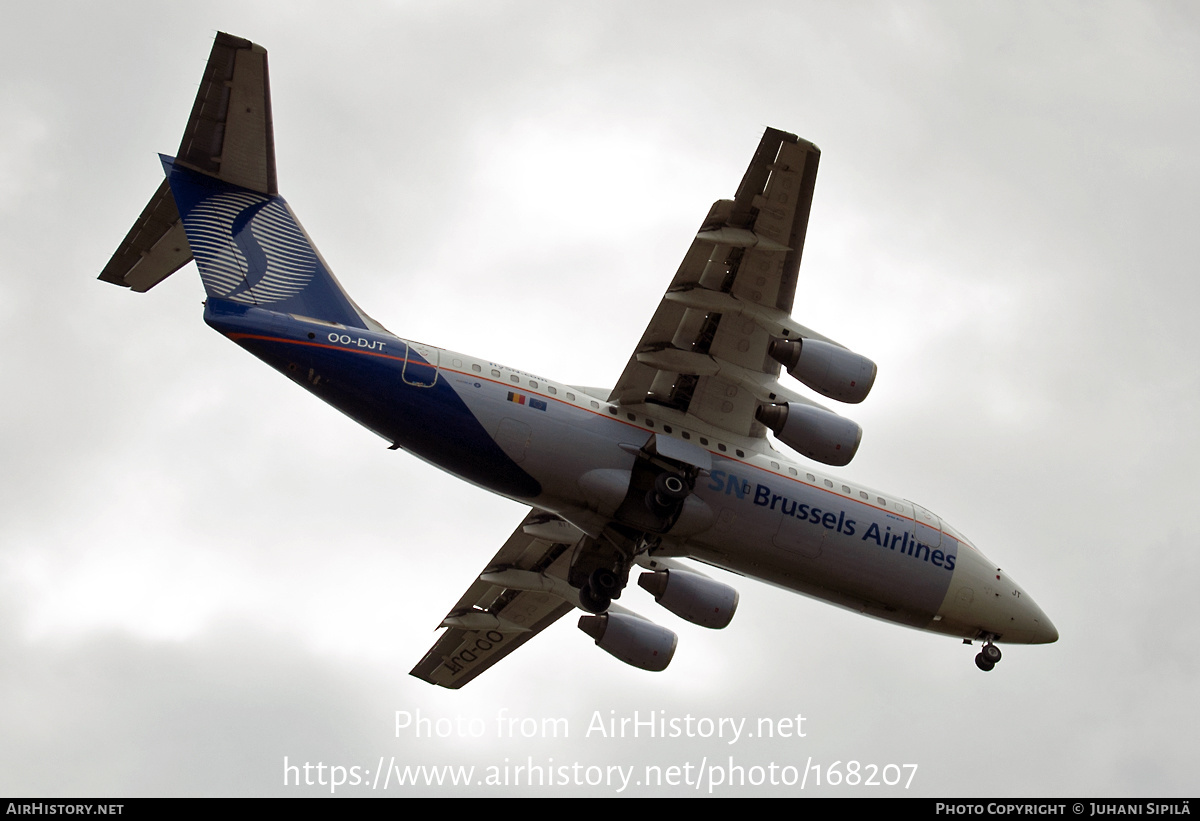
pixel 220 205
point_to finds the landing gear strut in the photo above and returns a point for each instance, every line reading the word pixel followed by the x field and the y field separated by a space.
pixel 989 654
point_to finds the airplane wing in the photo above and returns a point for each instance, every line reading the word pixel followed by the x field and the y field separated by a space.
pixel 522 591
pixel 705 350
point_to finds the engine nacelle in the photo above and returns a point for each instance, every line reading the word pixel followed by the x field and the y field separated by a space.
pixel 692 597
pixel 829 370
pixel 633 640
pixel 817 433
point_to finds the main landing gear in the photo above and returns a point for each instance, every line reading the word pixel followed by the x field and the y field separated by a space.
pixel 600 567
pixel 667 497
pixel 603 585
pixel 989 654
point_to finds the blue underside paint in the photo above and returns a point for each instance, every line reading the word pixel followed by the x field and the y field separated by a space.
pixel 430 422
pixel 264 279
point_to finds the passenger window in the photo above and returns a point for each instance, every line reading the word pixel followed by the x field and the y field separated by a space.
pixel 828 483
pixel 514 378
pixel 703 441
pixel 775 465
pixel 495 372
pixel 667 428
pixel 686 435
pixel 720 447
pixel 595 404
pixel 570 396
pixel 476 368
pixel 456 363
pixel 553 391
pixel 533 384
pixel 739 453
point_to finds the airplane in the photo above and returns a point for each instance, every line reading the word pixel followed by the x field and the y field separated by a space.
pixel 670 469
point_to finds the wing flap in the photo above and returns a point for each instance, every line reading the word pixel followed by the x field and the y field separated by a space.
pixel 783 208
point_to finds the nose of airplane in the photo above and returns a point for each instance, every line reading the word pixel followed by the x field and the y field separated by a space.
pixel 1041 630
pixel 1027 623
pixel 991 600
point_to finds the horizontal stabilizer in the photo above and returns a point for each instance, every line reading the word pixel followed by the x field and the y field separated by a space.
pixel 155 247
pixel 229 135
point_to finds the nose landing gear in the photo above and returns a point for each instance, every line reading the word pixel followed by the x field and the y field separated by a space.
pixel 989 654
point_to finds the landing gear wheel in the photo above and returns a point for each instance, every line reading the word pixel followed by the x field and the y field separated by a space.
pixel 991 652
pixel 603 585
pixel 604 582
pixel 670 490
pixel 591 602
pixel 670 487
pixel 982 662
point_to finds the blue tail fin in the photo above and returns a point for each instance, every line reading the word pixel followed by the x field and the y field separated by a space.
pixel 220 205
pixel 250 249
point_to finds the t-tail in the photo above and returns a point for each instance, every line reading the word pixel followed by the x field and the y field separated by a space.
pixel 220 205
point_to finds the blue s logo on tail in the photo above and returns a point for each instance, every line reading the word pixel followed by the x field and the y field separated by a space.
pixel 268 260
pixel 250 249
pixel 220 206
pixel 270 291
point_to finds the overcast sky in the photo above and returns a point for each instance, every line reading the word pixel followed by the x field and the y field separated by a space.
pixel 203 570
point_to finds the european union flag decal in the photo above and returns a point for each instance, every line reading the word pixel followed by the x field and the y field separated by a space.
pixel 522 399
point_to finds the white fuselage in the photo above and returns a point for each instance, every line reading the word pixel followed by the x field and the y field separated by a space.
pixel 760 514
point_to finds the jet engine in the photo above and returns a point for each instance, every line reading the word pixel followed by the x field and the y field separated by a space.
pixel 817 433
pixel 692 597
pixel 828 369
pixel 633 640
